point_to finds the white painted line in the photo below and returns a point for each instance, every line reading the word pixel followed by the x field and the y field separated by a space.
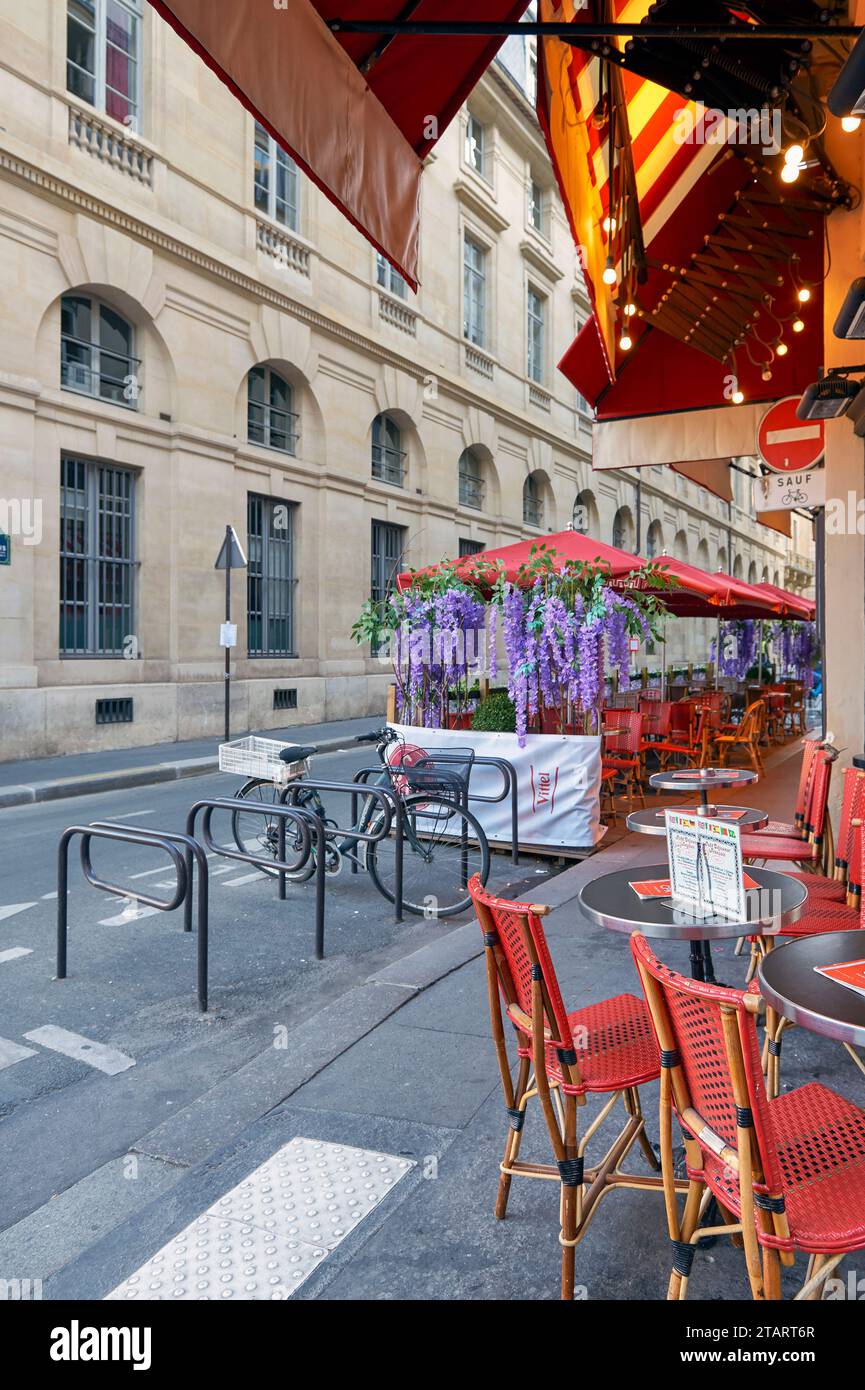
pixel 14 953
pixel 129 815
pixel 792 435
pixel 95 1054
pixel 131 913
pixel 226 869
pixel 12 1052
pixel 244 878
pixel 13 908
pixel 46 897
pixel 148 873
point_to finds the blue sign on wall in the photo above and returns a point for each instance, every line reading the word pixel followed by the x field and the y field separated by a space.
pixel 5 549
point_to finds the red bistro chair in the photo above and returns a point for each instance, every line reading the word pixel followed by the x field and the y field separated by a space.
pixel 606 1049
pixel 788 1174
pixel 815 850
pixel 806 770
pixel 687 737
pixel 622 749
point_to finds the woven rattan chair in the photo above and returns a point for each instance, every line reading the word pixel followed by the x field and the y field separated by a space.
pixel 621 754
pixel 788 1174
pixel 606 1049
pixel 745 738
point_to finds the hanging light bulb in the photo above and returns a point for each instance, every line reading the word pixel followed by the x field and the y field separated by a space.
pixel 781 349
pixel 790 173
pixel 850 123
pixel 797 325
pixel 804 295
pixel 737 396
pixel 609 276
pixel 794 154
pixel 625 343
pixel 766 374
pixel 609 224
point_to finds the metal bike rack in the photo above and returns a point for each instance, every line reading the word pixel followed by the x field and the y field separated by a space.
pixel 392 807
pixel 310 829
pixel 509 787
pixel 167 840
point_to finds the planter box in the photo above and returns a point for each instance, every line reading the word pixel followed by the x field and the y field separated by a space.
pixel 558 784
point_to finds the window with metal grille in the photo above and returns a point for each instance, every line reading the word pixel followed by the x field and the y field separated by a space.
pixel 474 292
pixel 285 699
pixel 533 502
pixel 471 480
pixel 469 547
pixel 277 181
pixel 114 711
pixel 388 456
pixel 388 277
pixel 96 351
pixel 103 56
pixel 270 581
pixel 270 419
pixel 537 305
pixel 387 561
pixel 97 558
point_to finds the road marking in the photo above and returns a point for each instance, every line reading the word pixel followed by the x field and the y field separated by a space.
pixel 46 897
pixel 12 909
pixel 12 1052
pixel 95 1054
pixel 268 1234
pixel 14 953
pixel 148 873
pixel 128 815
pixel 244 878
pixel 130 913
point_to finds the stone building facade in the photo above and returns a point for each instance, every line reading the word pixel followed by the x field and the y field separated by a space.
pixel 191 336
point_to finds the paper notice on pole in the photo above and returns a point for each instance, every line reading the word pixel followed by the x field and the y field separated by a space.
pixel 228 634
pixel 706 865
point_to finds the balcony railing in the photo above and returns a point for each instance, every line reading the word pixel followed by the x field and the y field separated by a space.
pixel 388 465
pixel 285 249
pixel 272 427
pixel 94 371
pixel 397 314
pixel 479 362
pixel 471 491
pixel 102 139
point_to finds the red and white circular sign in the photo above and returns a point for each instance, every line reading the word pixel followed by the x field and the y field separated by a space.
pixel 786 443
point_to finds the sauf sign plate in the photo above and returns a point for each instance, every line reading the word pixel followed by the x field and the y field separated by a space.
pixel 779 491
pixel 558 783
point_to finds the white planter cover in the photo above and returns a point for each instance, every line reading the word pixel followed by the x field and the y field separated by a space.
pixel 558 784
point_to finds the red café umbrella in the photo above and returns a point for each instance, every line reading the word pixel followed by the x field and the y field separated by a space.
pixel 568 545
pixel 795 605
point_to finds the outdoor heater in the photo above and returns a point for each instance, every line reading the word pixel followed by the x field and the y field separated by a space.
pixel 827 398
pixel 847 96
pixel 850 322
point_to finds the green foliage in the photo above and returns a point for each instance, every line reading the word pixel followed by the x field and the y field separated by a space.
pixel 495 714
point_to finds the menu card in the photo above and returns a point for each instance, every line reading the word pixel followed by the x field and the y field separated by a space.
pixel 851 974
pixel 706 865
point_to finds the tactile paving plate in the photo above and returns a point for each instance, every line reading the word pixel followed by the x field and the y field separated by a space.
pixel 267 1235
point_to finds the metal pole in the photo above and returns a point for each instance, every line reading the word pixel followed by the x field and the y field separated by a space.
pixel 473 28
pixel 664 660
pixel 760 654
pixel 228 620
pixel 820 614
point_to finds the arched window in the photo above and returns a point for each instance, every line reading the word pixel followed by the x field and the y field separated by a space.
pixel 737 567
pixel 270 419
pixel 533 502
pixel 388 456
pixel 622 529
pixel 680 546
pixel 584 518
pixel 722 559
pixel 654 541
pixel 752 573
pixel 96 351
pixel 471 479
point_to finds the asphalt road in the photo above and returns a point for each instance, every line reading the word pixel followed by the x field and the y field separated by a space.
pixel 91 1063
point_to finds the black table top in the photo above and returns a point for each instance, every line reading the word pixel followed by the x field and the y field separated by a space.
pixel 652 822
pixel 790 984
pixel 701 778
pixel 611 901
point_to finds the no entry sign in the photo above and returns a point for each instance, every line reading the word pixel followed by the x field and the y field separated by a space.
pixel 787 444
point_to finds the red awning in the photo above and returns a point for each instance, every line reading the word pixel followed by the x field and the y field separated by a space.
pixel 699 594
pixel 796 605
pixel 358 112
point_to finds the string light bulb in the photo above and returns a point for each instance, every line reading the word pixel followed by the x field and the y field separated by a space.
pixel 850 123
pixel 781 349
pixel 625 343
pixel 794 154
pixel 804 295
pixel 738 396
pixel 609 224
pixel 790 173
pixel 609 276
pixel 798 325
pixel 629 310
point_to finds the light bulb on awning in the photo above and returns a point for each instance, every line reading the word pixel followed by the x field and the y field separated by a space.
pixel 804 295
pixel 630 310
pixel 609 224
pixel 797 325
pixel 794 154
pixel 738 397
pixel 790 173
pixel 781 349
pixel 625 343
pixel 609 276
pixel 850 123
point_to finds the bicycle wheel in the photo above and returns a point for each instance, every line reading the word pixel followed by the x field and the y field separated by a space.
pixel 443 847
pixel 255 833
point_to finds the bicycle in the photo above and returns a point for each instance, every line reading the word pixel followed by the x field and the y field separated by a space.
pixel 443 842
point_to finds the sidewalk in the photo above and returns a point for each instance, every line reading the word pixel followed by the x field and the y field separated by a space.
pixel 395 1086
pixel 78 774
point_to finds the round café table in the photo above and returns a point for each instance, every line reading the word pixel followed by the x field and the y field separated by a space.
pixel 701 779
pixel 611 902
pixel 652 822
pixel 791 986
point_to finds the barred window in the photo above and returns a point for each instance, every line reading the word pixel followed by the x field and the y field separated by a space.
pixel 270 419
pixel 388 455
pixel 97 558
pixel 270 581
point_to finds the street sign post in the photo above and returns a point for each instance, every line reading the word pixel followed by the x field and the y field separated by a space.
pixel 787 444
pixel 230 557
pixel 783 491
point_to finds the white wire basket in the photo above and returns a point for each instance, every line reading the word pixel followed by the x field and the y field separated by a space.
pixel 259 757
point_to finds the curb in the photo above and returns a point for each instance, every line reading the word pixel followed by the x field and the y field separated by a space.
pixel 92 782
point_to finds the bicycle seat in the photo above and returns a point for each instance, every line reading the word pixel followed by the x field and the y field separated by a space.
pixel 296 752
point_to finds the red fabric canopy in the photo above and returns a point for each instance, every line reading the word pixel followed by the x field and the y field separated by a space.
pixel 358 112
pixel 796 605
pixel 699 594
